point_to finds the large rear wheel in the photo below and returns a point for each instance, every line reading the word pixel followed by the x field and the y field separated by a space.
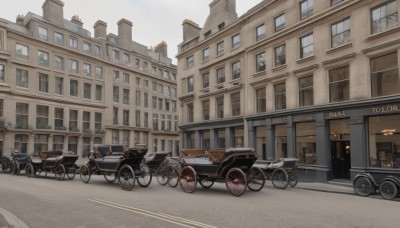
pixel 188 179
pixel 84 174
pixel 144 179
pixel 256 179
pixel 59 172
pixel 236 181
pixel 29 170
pixel 363 186
pixel 126 177
pixel 173 176
pixel 280 178
pixel 388 189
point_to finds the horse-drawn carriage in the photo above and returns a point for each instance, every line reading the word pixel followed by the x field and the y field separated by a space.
pixel 232 166
pixel 365 184
pixel 281 172
pixel 114 162
pixel 52 161
pixel 14 165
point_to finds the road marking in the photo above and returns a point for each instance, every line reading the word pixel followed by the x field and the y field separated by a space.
pixel 161 216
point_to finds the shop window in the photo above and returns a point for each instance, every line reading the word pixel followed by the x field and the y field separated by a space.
pixel 221 138
pixel 190 140
pixel 306 143
pixel 261 141
pixel 238 137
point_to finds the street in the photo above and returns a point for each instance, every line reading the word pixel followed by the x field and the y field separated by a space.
pixel 45 202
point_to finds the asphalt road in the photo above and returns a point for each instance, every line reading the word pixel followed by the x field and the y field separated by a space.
pixel 45 202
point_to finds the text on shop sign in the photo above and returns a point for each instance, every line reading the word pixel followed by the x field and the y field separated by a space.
pixel 383 109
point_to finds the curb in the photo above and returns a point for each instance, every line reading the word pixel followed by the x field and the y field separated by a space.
pixel 12 220
pixel 326 191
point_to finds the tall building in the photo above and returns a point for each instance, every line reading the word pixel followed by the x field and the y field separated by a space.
pixel 63 89
pixel 315 80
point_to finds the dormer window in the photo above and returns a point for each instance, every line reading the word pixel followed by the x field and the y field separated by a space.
pixel 207 34
pixel 221 26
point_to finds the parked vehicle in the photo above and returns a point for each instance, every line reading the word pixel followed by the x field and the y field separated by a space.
pixel 18 162
pixel 5 163
pixel 365 184
pixel 52 161
pixel 114 162
pixel 282 172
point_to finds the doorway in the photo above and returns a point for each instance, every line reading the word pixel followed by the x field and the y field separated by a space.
pixel 340 159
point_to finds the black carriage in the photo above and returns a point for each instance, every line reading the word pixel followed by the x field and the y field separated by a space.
pixel 54 162
pixel 15 164
pixel 282 172
pixel 159 164
pixel 388 185
pixel 234 168
pixel 115 162
pixel 5 164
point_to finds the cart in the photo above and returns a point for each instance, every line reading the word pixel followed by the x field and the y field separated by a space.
pixel 282 172
pixel 388 185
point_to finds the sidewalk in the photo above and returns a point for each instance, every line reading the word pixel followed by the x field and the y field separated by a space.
pixel 8 220
pixel 331 187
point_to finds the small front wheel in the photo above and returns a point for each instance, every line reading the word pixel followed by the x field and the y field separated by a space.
pixel 162 173
pixel 388 189
pixel 144 179
pixel 206 183
pixel 363 186
pixel 71 173
pixel 110 177
pixel 126 177
pixel 280 178
pixel 188 179
pixel 29 170
pixel 173 176
pixel 256 179
pixel 59 172
pixel 84 174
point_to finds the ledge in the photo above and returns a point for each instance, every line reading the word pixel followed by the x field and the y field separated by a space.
pixel 339 48
pixel 382 34
pixel 305 59
pixel 280 67
pixel 261 73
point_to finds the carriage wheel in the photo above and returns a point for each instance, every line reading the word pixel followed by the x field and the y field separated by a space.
pixel 110 177
pixel 126 177
pixel 280 178
pixel 256 179
pixel 71 173
pixel 173 176
pixel 29 170
pixel 144 179
pixel 84 174
pixel 293 180
pixel 59 172
pixel 6 165
pixel 17 170
pixel 236 181
pixel 188 179
pixel 12 168
pixel 363 186
pixel 388 189
pixel 162 174
pixel 37 172
pixel 206 183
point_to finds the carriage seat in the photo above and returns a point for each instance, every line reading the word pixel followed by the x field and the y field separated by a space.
pixel 190 153
pixel 215 155
pixel 197 161
pixel 158 156
pixel 49 154
pixel 236 151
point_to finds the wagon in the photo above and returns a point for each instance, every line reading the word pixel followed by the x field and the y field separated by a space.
pixel 282 172
pixel 160 165
pixel 232 167
pixel 52 161
pixel 114 162
pixel 18 162
pixel 388 185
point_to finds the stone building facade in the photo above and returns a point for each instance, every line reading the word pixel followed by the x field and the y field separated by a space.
pixel 315 80
pixel 63 89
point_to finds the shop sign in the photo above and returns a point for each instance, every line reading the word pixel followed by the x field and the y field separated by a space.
pixel 336 114
pixel 279 120
pixel 385 109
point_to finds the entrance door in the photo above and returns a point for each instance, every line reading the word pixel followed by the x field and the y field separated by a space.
pixel 1 149
pixel 340 159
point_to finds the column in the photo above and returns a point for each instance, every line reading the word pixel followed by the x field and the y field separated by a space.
pixel 31 142
pixel 197 139
pixel 251 137
pixel 50 142
pixel 228 137
pixel 291 137
pixel 323 148
pixel 213 139
pixel 358 144
pixel 270 139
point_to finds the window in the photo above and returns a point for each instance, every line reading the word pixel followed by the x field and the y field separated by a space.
pixel 43 83
pixel 73 43
pixel 154 102
pixel 221 75
pixel 73 66
pixel 2 39
pixel 280 141
pixel 99 92
pixel 137 100
pixel 137 63
pixel 116 76
pixel 87 70
pixel 145 85
pixel 235 99
pixel 115 55
pixel 206 110
pixel 279 22
pixel 306 9
pixel 115 116
pixel 236 41
pixel 116 94
pixel 86 122
pixel 306 91
pixel 339 84
pixel 173 106
pixel 2 72
pixel 58 62
pixel 125 137
pixel 189 61
pixel 41 144
pixel 137 117
pixel 127 59
pixel 238 137
pixel 99 72
pixel 206 54
pixel 280 55
pixel 87 90
pixel 22 52
pixel 146 120
pixel 385 75
pixel 306 46
pixel 125 96
pixel 73 120
pixel 42 117
pixel 97 122
pixel 167 91
pixel 155 121
pixel 384 17
pixel 341 33
pixel 236 70
pixel 189 84
pixel 85 146
pixel 206 80
pixel 261 100
pixel 21 143
pixel 190 113
pixel 43 58
pixel 73 88
pixel 43 33
pixel 58 142
pixel 220 107
pixel 306 143
pixel 160 104
pixel 58 38
pixel 59 119
pixel 58 85
pixel 115 136
pixel 87 48
pixel 145 66
pixel 96 50
pixel 21 116
pixel 334 2
pixel 280 96
pixel 146 100
pixel 260 62
pixel 220 48
pixel 125 117
pixel 138 87
pixel 22 77
pixel 73 144
pixel 260 32
pixel 221 138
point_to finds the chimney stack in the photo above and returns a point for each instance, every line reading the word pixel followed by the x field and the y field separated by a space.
pixel 190 29
pixel 100 29
pixel 76 20
pixel 53 11
pixel 20 20
pixel 162 49
pixel 125 33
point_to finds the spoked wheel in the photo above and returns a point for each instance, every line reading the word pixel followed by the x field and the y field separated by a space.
pixel 173 176
pixel 144 179
pixel 71 173
pixel 59 172
pixel 388 189
pixel 363 186
pixel 84 174
pixel 162 174
pixel 29 171
pixel 188 179
pixel 17 168
pixel 206 183
pixel 236 181
pixel 37 172
pixel 293 180
pixel 126 177
pixel 12 168
pixel 256 179
pixel 280 178
pixel 5 165
pixel 110 177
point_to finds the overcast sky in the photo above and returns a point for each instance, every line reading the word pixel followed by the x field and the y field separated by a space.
pixel 153 20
